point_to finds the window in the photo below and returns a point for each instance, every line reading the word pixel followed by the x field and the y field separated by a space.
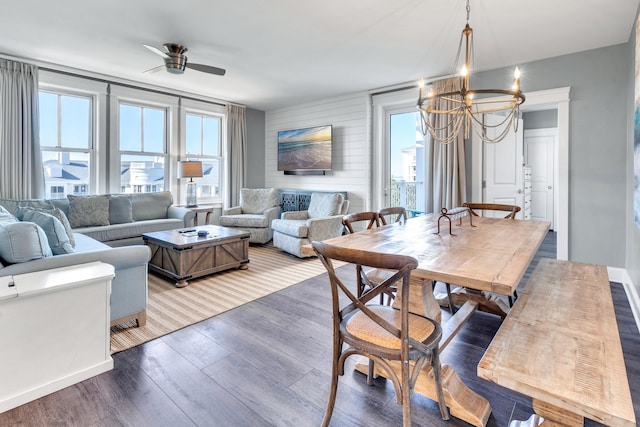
pixel 202 142
pixel 66 140
pixel 142 144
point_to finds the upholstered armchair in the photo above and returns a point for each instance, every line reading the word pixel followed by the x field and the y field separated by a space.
pixel 323 220
pixel 258 208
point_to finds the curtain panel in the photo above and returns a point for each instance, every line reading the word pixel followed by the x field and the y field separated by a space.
pixel 446 162
pixel 237 149
pixel 21 173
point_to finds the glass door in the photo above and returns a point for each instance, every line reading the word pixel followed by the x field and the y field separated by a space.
pixel 406 161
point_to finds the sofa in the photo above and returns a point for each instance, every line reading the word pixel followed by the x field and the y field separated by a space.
pixel 258 208
pixel 115 219
pixel 37 235
pixel 295 230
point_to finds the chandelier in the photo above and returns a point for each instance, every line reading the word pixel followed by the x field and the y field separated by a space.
pixel 443 114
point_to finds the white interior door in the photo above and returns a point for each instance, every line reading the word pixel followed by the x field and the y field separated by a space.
pixel 503 163
pixel 539 149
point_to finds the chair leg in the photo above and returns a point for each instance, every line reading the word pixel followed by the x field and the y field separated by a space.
pixel 332 392
pixel 370 373
pixel 452 309
pixel 435 366
pixel 406 395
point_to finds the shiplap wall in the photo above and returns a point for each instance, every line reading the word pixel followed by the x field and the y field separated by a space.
pixel 350 116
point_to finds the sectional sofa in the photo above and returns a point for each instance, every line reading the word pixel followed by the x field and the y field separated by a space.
pixel 105 228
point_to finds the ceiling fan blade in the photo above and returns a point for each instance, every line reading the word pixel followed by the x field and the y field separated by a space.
pixel 206 69
pixel 156 50
pixel 155 69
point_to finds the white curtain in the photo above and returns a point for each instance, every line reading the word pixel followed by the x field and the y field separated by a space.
pixel 21 175
pixel 237 150
pixel 446 175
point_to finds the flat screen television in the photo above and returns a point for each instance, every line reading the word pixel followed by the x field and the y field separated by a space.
pixel 305 149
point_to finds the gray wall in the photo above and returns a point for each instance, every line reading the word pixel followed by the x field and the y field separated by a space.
pixel 255 148
pixel 597 144
pixel 633 231
pixel 540 119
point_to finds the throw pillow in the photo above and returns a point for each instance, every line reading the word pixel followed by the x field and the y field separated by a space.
pixel 325 204
pixel 88 211
pixel 120 209
pixel 6 216
pixel 53 228
pixel 22 242
pixel 51 210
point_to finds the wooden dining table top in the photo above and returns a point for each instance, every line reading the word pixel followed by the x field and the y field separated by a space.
pixel 492 255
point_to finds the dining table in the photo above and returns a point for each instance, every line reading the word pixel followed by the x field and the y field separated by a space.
pixel 486 255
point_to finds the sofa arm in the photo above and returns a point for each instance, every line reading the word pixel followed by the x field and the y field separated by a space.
pixel 180 212
pixel 121 258
pixel 325 227
pixel 295 215
pixel 235 210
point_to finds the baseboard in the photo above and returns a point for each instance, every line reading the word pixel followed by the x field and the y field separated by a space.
pixel 620 275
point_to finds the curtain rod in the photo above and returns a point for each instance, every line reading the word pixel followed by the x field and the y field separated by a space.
pixel 130 86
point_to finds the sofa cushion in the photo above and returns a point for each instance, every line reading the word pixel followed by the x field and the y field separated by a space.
pixel 117 232
pixel 120 209
pixel 6 216
pixel 257 200
pixel 291 227
pixel 56 234
pixel 51 210
pixel 248 220
pixel 325 204
pixel 22 242
pixel 151 205
pixel 86 211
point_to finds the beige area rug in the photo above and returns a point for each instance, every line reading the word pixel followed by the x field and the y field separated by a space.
pixel 170 308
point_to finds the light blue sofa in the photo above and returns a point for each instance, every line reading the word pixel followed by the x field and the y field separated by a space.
pixel 118 244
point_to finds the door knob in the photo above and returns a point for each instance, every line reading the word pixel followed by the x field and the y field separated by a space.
pixel 549 187
pixel 520 191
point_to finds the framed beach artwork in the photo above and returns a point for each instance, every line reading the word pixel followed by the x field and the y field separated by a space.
pixel 636 132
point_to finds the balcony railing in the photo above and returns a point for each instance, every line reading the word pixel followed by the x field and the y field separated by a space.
pixel 403 193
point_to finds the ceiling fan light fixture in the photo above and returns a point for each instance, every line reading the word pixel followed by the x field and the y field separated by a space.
pixel 443 114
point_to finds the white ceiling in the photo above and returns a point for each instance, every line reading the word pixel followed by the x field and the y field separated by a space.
pixel 284 52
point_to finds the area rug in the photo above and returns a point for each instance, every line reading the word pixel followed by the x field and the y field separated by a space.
pixel 170 308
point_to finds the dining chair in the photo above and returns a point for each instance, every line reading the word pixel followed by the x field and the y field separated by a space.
pixel 399 212
pixel 371 276
pixel 391 338
pixel 512 209
pixel 371 219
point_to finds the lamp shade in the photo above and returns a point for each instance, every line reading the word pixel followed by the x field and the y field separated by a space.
pixel 190 169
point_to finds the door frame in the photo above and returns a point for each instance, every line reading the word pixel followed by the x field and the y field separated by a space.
pixel 535 101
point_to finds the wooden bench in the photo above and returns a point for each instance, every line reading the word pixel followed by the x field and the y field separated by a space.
pixel 560 345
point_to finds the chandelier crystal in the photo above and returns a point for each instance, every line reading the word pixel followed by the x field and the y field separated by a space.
pixel 443 114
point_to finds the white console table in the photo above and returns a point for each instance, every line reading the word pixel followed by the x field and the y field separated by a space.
pixel 54 328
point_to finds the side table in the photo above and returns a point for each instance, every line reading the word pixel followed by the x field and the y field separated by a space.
pixel 208 209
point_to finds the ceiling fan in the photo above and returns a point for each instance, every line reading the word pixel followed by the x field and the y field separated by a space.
pixel 175 60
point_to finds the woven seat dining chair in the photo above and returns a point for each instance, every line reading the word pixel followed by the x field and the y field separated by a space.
pixel 371 276
pixel 371 219
pixel 391 338
pixel 512 209
pixel 453 295
pixel 399 212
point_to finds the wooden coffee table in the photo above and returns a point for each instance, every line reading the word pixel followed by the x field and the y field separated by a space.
pixel 182 255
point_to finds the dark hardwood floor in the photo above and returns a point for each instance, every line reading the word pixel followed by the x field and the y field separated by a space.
pixel 267 363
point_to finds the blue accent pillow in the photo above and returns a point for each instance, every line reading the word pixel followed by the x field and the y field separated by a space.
pixel 53 228
pixel 51 210
pixel 22 242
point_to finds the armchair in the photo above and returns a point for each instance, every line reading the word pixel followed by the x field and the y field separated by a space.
pixel 323 220
pixel 258 208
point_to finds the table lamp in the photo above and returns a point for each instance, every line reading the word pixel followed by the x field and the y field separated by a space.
pixel 190 169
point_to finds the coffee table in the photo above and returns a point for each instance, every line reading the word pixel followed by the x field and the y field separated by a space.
pixel 182 255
